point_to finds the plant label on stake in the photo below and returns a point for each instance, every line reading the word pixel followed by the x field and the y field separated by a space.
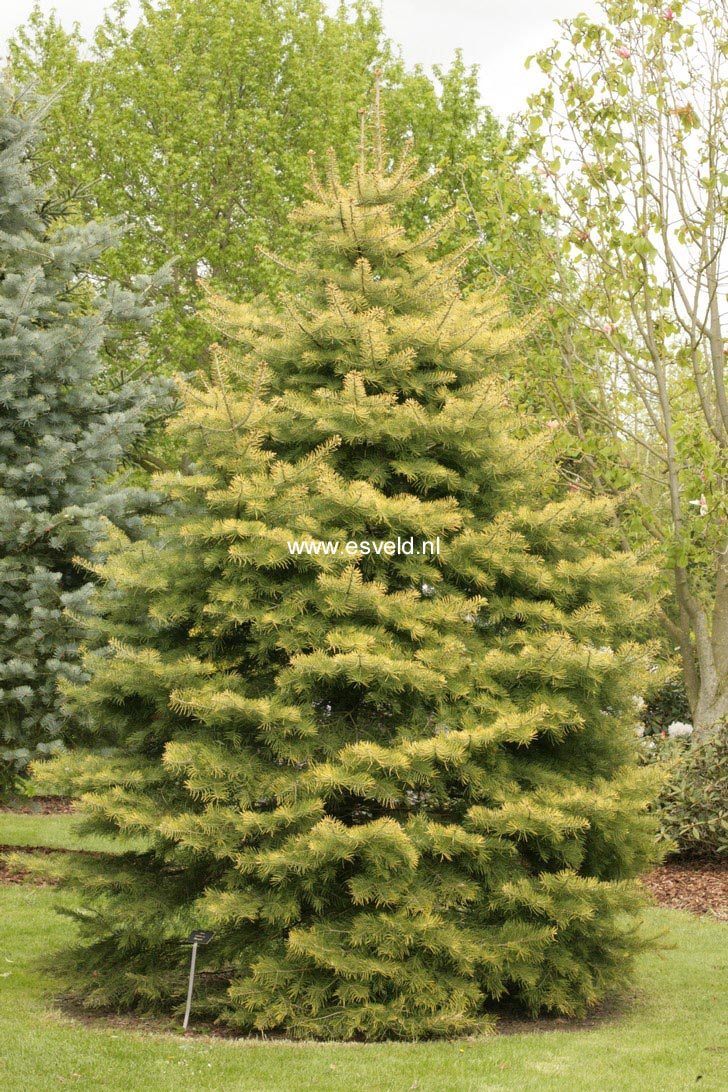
pixel 197 936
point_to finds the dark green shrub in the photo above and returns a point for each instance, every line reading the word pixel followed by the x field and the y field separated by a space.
pixel 666 706
pixel 662 750
pixel 693 805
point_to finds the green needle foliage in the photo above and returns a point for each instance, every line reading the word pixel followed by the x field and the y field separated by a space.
pixel 65 430
pixel 402 789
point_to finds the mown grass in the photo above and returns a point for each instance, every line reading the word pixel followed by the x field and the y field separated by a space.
pixel 672 1037
pixel 55 832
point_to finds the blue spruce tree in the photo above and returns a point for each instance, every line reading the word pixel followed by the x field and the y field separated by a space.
pixel 70 419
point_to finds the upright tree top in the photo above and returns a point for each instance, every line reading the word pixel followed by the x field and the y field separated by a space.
pixel 389 313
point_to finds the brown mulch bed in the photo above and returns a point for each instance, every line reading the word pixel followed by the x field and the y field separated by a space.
pixel 15 874
pixel 506 1023
pixel 41 805
pixel 19 875
pixel 611 1009
pixel 698 886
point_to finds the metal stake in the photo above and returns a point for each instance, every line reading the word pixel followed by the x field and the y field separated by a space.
pixel 189 989
pixel 197 936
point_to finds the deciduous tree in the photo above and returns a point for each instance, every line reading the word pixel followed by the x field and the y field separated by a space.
pixel 631 137
pixel 194 125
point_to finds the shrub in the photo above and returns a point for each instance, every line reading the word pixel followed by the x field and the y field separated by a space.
pixel 693 805
pixel 666 706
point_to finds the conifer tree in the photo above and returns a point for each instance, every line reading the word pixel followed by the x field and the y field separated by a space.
pixel 65 429
pixel 402 788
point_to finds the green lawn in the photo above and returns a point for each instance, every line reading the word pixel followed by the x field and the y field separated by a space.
pixel 672 1038
pixel 54 831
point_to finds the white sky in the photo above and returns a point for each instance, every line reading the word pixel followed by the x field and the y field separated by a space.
pixel 497 35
